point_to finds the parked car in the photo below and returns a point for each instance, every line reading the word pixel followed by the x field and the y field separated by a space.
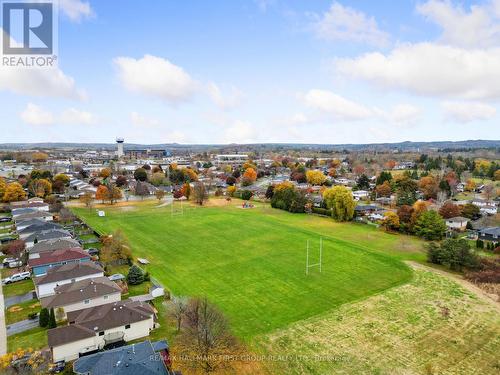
pixel 6 239
pixel 17 277
pixel 116 277
pixel 12 262
pixel 93 251
pixel 5 219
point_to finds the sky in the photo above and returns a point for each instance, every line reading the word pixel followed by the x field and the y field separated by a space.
pixel 262 71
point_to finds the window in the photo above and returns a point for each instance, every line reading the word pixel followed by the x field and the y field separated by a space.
pixel 127 326
pixel 106 297
pixel 86 302
pixel 101 333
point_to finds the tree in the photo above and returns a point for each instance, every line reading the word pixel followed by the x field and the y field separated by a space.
pixel 470 211
pixel 105 173
pixel 430 226
pixel 406 192
pixel 449 210
pixel 390 221
pixel 114 193
pixel 177 308
pixel 429 187
pixel 87 199
pixel 470 185
pixel 230 180
pixel 405 214
pixel 14 248
pixel 189 175
pixel 39 157
pixel 52 319
pixel 102 193
pixel 43 319
pixel 135 275
pixel 141 189
pixel 121 181
pixel 206 337
pixel 496 175
pixel 140 174
pixel 270 192
pixel 160 194
pixel 186 190
pixel 384 190
pixel 115 248
pixel 363 182
pixel 453 253
pixel 246 195
pixel 249 177
pixel 3 186
pixel 383 177
pixel 339 199
pixel 14 192
pixel 315 177
pixel 231 190
pixel 40 187
pixel 200 194
pixel 157 179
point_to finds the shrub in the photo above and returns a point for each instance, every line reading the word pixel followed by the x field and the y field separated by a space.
pixel 453 253
pixel 321 211
pixel 246 195
pixel 52 319
pixel 479 244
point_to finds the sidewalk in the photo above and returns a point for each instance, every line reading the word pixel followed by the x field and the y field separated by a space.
pixel 3 332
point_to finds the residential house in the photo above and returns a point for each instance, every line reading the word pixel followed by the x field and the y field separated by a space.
pixel 457 223
pixel 146 358
pixel 23 224
pixel 21 214
pixel 82 294
pixel 48 259
pixel 51 245
pixel 491 234
pixel 93 328
pixel 488 210
pixel 479 202
pixel 65 274
pixel 46 235
pixel 360 195
pixel 35 203
pixel 38 226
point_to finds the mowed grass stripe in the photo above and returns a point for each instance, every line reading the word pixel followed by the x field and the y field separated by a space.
pixel 252 262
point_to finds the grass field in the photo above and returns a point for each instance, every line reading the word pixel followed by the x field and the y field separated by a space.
pixel 35 339
pixel 404 330
pixel 251 263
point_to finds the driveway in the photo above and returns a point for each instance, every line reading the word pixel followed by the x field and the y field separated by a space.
pixel 3 333
pixel 21 326
pixel 14 300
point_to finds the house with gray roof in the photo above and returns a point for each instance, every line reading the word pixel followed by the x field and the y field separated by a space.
pixel 145 358
pixel 65 274
pixel 92 329
pixel 81 294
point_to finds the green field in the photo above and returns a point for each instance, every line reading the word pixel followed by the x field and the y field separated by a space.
pixel 431 325
pixel 251 263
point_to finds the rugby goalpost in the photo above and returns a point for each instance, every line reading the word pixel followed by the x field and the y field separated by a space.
pixel 320 263
pixel 174 212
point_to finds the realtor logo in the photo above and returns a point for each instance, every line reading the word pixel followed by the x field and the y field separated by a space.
pixel 29 31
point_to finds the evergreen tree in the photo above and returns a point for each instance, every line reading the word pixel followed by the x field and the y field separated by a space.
pixel 52 319
pixel 430 226
pixel 43 319
pixel 135 275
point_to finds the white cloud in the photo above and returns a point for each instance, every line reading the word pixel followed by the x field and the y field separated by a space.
pixel 336 105
pixel 143 121
pixel 224 101
pixel 50 82
pixel 76 10
pixel 430 69
pixel 343 109
pixel 155 76
pixel 75 116
pixel 468 111
pixel 348 24
pixel 403 114
pixel 36 115
pixel 240 132
pixel 477 27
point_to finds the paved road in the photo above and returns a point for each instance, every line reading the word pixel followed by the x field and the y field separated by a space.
pixel 3 333
pixel 21 326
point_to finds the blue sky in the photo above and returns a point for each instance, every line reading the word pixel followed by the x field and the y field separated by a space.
pixel 262 71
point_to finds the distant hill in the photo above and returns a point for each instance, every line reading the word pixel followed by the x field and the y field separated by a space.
pixel 401 146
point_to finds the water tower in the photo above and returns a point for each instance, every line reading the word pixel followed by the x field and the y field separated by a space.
pixel 119 143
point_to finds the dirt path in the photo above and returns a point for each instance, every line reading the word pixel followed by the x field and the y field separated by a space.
pixel 490 298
